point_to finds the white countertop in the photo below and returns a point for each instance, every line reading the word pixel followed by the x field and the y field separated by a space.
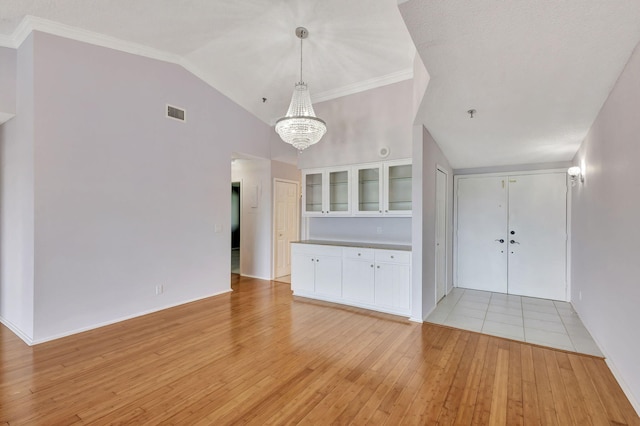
pixel 356 244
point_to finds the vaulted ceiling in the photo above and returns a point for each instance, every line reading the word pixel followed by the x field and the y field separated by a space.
pixel 537 72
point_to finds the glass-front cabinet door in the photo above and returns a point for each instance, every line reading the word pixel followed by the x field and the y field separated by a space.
pixel 339 192
pixel 313 197
pixel 368 190
pixel 398 188
pixel 327 192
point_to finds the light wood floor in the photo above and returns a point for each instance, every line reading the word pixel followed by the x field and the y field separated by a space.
pixel 258 356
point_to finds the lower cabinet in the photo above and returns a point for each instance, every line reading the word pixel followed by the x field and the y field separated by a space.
pixel 369 278
pixel 316 271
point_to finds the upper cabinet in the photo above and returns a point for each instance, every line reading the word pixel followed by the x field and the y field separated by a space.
pixel 367 190
pixel 374 189
pixel 397 190
pixel 327 192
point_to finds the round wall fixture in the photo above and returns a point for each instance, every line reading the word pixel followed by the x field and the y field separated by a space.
pixel 383 152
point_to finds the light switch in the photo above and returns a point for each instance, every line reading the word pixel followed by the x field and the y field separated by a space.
pixel 218 228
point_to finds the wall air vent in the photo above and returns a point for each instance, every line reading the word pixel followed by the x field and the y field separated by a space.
pixel 176 113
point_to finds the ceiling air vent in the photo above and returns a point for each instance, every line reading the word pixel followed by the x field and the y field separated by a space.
pixel 175 113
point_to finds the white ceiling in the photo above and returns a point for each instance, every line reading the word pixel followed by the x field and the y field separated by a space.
pixel 537 72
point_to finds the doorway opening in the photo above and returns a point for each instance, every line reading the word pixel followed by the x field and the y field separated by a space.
pixel 235 227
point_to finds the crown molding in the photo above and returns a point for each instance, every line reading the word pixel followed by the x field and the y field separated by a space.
pixel 361 86
pixel 7 41
pixel 32 23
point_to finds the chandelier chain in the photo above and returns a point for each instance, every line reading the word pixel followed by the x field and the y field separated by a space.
pixel 301 81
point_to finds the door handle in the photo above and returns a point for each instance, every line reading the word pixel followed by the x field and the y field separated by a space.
pixel 514 242
pixel 501 240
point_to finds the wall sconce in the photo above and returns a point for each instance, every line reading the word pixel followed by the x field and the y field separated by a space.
pixel 575 173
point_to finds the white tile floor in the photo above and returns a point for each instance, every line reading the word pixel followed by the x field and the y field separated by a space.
pixel 540 321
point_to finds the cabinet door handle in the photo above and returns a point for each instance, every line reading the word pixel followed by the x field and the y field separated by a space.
pixel 358 254
pixel 392 257
pixel 378 266
pixel 313 260
pixel 372 266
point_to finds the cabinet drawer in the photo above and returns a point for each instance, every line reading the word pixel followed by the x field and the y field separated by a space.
pixel 358 253
pixel 393 256
pixel 316 249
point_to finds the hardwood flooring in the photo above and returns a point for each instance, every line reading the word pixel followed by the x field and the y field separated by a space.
pixel 259 356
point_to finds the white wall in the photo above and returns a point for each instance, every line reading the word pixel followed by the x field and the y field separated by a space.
pixel 605 233
pixel 255 215
pixel 359 124
pixel 432 157
pixel 124 199
pixel 393 230
pixel 17 204
pixel 8 70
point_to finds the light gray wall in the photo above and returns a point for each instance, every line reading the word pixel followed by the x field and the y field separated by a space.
pixel 126 199
pixel 605 233
pixel 17 204
pixel 8 69
pixel 393 230
pixel 359 124
pixel 432 157
pixel 283 170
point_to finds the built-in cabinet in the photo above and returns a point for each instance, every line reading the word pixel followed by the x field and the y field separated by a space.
pixel 373 189
pixel 327 192
pixel 372 278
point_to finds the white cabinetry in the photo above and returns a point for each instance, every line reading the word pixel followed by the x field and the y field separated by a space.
pixel 397 188
pixel 317 270
pixel 392 272
pixel 370 278
pixel 367 191
pixel 373 189
pixel 327 192
pixel 358 275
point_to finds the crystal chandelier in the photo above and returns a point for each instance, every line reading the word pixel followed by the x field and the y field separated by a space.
pixel 300 127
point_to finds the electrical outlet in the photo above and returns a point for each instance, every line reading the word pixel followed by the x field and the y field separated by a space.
pixel 159 289
pixel 579 295
pixel 379 229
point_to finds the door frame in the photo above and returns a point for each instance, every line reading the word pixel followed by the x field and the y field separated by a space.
pixel 241 184
pixel 274 248
pixel 446 234
pixel 456 178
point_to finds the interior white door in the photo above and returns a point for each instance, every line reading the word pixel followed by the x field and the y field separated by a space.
pixel 286 224
pixel 538 235
pixel 441 234
pixel 481 233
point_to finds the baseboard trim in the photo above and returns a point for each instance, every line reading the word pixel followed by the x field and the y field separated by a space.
pixel 414 319
pixel 125 318
pixel 256 277
pixel 616 373
pixel 627 391
pixel 15 330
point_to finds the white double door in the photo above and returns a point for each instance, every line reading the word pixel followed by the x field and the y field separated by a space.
pixel 512 234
